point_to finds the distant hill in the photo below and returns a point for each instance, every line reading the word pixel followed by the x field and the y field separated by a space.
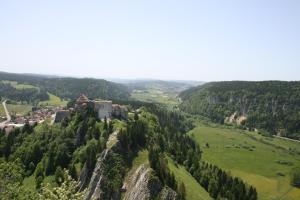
pixel 270 105
pixel 158 91
pixel 176 86
pixel 63 87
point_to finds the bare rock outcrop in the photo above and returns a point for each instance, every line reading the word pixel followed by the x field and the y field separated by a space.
pixel 108 174
pixel 100 187
pixel 99 183
pixel 144 185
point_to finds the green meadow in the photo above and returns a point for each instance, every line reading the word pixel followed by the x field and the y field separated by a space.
pixel 156 95
pixel 260 161
pixel 53 101
pixel 21 109
pixel 193 190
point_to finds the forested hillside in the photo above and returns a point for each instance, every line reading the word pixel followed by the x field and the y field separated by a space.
pixel 65 88
pixel 270 105
pixel 98 155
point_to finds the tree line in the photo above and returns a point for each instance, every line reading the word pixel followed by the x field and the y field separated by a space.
pixel 174 141
pixel 270 105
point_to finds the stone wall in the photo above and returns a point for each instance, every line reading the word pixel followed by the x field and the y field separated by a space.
pixel 60 115
pixel 120 111
pixel 104 109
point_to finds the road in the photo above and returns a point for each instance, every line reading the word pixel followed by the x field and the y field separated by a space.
pixel 285 138
pixel 8 118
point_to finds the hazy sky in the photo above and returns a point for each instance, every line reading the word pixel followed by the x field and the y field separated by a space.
pixel 162 39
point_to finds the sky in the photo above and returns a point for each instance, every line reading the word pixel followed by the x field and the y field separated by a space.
pixel 158 39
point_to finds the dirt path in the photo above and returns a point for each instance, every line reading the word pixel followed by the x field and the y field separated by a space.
pixel 8 118
pixel 285 138
pixel 112 140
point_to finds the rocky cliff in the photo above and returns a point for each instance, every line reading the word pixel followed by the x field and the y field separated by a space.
pixel 144 185
pixel 106 180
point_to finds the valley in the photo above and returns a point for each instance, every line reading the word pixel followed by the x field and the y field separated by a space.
pixel 148 139
pixel 264 162
pixel 150 100
pixel 164 92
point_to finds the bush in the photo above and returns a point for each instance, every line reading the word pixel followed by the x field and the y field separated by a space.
pixel 295 177
pixel 59 175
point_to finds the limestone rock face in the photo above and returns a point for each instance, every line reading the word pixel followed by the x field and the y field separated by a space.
pixel 168 194
pixel 235 119
pixel 97 187
pixel 85 177
pixel 143 185
pixel 97 182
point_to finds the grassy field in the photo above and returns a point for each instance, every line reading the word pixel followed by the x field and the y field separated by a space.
pixel 53 101
pixel 141 158
pixel 15 109
pixel 156 95
pixel 23 109
pixel 20 86
pixel 253 158
pixel 193 190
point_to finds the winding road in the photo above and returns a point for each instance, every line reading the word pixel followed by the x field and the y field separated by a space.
pixel 8 118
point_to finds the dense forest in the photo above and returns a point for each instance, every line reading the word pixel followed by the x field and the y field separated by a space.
pixel 65 88
pixel 270 105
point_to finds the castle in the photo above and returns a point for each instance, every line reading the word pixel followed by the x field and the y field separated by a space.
pixel 105 109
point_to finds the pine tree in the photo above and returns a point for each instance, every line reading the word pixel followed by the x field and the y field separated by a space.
pixel 136 116
pixel 59 175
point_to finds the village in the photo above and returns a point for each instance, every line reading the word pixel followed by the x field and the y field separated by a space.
pixel 54 114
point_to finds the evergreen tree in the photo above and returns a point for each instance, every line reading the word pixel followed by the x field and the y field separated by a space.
pixel 59 175
pixel 39 174
pixel 295 177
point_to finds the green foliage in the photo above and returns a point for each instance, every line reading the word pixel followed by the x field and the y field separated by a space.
pixel 11 177
pixel 160 165
pixel 134 135
pixel 270 105
pixel 59 175
pixel 28 95
pixel 39 175
pixel 67 190
pixel 295 177
pixel 10 173
pixel 65 88
pixel 49 149
pixel 182 191
pixel 173 140
pixel 193 189
pixel 257 165
pixel 164 92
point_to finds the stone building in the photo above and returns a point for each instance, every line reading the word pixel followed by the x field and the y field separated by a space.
pixel 105 109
